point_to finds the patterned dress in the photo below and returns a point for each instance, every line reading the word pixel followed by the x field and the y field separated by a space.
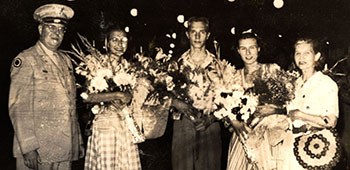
pixel 237 157
pixel 317 96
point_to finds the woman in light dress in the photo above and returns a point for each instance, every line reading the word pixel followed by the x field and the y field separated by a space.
pixel 316 97
pixel 248 48
pixel 110 146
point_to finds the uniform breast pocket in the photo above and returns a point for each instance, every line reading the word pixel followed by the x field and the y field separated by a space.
pixel 44 79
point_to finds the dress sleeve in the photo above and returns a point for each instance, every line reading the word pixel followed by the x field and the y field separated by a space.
pixel 330 98
pixel 21 104
pixel 272 68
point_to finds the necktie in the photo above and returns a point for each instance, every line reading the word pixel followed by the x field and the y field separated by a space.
pixel 61 67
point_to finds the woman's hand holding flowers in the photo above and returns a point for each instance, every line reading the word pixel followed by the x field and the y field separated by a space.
pixel 295 115
pixel 266 109
pixel 124 97
pixel 240 127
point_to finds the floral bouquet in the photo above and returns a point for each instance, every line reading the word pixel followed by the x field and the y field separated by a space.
pixel 231 99
pixel 156 71
pixel 193 86
pixel 151 93
pixel 104 76
pixel 276 87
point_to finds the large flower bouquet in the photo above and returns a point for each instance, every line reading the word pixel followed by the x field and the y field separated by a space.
pixel 232 101
pixel 156 71
pixel 104 76
pixel 193 85
pixel 152 91
pixel 274 88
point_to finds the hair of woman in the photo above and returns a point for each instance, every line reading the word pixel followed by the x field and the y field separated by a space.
pixel 248 35
pixel 317 48
pixel 112 29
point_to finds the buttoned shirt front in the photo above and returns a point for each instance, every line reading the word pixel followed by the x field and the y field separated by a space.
pixel 42 106
pixel 317 96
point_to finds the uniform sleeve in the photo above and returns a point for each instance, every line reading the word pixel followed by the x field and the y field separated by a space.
pixel 21 103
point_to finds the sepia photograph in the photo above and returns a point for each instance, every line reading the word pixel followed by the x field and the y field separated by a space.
pixel 175 85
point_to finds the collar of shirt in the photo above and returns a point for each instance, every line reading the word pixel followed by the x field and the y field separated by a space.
pixel 51 54
pixel 46 50
pixel 207 59
pixel 310 82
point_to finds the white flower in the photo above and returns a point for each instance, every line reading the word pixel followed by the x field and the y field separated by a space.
pixel 104 72
pixel 160 55
pixel 190 76
pixel 245 117
pixel 231 116
pixel 123 78
pixel 153 72
pixel 84 95
pixel 99 84
pixel 220 113
pixel 83 73
pixel 170 85
pixel 95 109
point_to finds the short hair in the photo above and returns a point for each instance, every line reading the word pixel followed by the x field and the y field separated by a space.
pixel 204 20
pixel 248 35
pixel 317 48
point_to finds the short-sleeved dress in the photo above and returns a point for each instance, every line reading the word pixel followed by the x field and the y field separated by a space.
pixel 317 96
pixel 237 157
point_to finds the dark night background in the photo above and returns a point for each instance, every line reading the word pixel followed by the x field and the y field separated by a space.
pixel 328 20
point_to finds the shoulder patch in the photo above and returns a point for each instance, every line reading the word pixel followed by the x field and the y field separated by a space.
pixel 17 62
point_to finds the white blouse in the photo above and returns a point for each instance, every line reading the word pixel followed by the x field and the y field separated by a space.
pixel 317 96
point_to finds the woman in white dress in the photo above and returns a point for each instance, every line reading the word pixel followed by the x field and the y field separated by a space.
pixel 316 98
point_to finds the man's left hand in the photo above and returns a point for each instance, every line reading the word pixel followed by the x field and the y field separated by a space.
pixel 203 123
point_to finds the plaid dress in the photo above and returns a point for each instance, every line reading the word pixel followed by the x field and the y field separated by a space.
pixel 110 146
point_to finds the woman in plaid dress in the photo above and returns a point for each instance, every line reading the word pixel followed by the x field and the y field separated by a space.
pixel 110 146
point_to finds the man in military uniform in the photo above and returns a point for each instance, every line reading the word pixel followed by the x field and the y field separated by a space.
pixel 42 98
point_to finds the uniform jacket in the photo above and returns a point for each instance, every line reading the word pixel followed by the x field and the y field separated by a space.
pixel 42 106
